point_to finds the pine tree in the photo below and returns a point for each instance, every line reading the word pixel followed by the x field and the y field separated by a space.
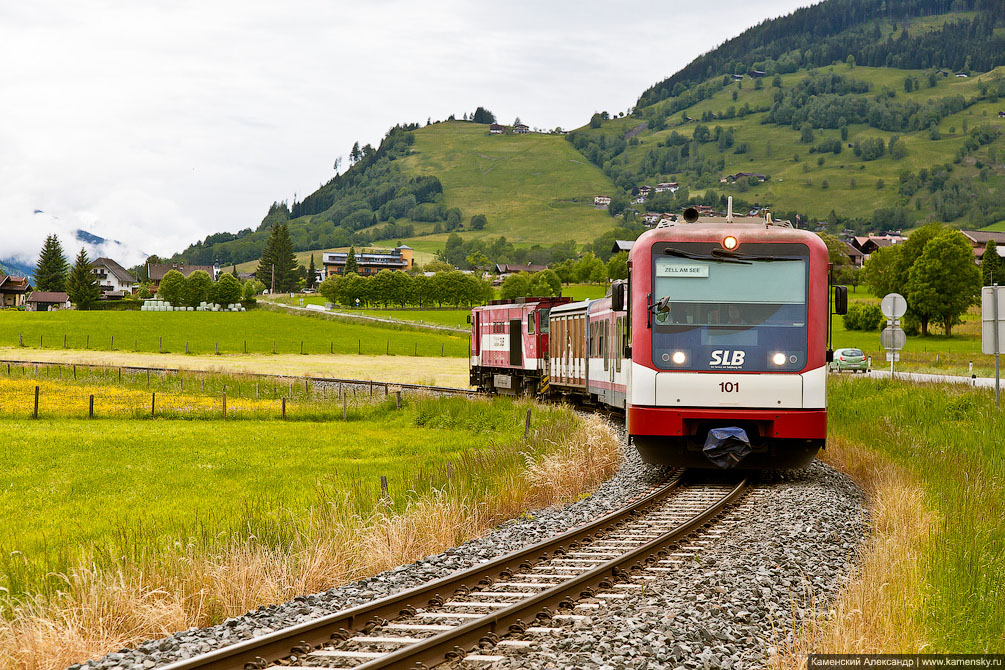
pixel 350 262
pixel 52 268
pixel 278 255
pixel 82 284
pixel 312 273
pixel 991 265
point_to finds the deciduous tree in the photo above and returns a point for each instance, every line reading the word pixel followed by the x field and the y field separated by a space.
pixel 944 282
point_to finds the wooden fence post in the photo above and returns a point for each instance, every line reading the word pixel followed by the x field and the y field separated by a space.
pixel 284 409
pixel 415 349
pixel 87 342
pixel 111 344
pixel 359 347
pixel 344 411
pixel 387 349
pixel 383 488
pixel 64 340
pixel 397 399
pixel 90 407
pixel 160 346
pixel 526 427
pixel 153 402
pixel 35 413
pixel 224 404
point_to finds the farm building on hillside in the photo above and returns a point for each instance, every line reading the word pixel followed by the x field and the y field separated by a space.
pixel 496 129
pixel 743 175
pixel 115 281
pixel 13 290
pixel 48 301
pixel 368 262
pixel 670 186
pixel 870 243
pixel 601 201
pixel 979 239
pixel 521 129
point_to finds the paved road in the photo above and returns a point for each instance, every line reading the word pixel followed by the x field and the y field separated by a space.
pixel 365 317
pixel 984 382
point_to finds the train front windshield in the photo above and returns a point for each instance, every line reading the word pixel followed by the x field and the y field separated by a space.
pixel 742 316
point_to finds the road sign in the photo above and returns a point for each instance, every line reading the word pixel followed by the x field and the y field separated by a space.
pixel 893 306
pixel 893 337
pixel 988 321
pixel 892 356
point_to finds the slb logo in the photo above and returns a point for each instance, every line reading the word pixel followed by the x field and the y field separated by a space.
pixel 733 359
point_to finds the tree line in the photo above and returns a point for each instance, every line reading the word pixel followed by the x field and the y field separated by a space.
pixel 199 287
pixel 395 288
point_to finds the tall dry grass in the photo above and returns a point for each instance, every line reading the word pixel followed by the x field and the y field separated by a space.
pixel 102 610
pixel 877 611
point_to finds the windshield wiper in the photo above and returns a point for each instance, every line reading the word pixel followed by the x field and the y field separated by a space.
pixel 722 254
pixel 670 251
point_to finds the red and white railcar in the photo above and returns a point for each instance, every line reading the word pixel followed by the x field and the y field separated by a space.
pixel 586 352
pixel 509 344
pixel 728 330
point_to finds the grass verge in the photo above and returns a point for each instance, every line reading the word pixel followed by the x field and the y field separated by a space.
pixel 102 554
pixel 932 576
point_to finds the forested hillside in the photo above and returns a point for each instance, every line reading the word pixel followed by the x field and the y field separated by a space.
pixel 856 146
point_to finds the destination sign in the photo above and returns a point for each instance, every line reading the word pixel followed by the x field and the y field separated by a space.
pixel 666 269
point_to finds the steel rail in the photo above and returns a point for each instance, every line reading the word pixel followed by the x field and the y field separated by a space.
pixel 435 650
pixel 260 651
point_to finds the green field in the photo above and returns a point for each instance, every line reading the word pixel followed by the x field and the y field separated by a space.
pixel 257 331
pixel 799 184
pixel 948 437
pixel 532 188
pixel 121 487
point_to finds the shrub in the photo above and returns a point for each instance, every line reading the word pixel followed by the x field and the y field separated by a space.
pixel 852 317
pixel 870 317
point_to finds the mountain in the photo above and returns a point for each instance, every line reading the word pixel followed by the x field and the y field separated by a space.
pixel 863 114
pixel 860 147
pixel 95 245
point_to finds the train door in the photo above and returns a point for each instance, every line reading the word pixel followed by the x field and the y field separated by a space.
pixel 515 342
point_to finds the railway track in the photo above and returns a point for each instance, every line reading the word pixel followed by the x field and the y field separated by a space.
pixel 474 614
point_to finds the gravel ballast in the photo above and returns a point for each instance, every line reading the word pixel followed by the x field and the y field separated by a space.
pixel 728 609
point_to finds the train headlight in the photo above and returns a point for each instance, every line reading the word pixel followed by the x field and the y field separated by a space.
pixel 778 359
pixel 678 358
pixel 729 243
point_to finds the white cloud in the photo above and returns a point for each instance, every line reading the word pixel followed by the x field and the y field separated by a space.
pixel 160 123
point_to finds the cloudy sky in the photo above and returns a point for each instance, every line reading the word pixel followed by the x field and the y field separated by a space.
pixel 159 122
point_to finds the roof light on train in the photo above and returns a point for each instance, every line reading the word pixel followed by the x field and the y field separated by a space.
pixel 729 243
pixel 778 359
pixel 679 358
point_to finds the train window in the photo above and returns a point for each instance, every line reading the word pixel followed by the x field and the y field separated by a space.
pixel 543 319
pixel 603 344
pixel 530 323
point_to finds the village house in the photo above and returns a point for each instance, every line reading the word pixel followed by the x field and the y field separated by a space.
pixel 496 129
pixel 368 262
pixel 601 201
pixel 742 175
pixel 670 186
pixel 1001 115
pixel 114 280
pixel 644 191
pixel 757 74
pixel 48 301
pixel 979 239
pixel 651 218
pixel 868 244
pixel 13 290
pixel 737 77
pixel 521 129
pixel 156 271
pixel 856 257
pixel 506 269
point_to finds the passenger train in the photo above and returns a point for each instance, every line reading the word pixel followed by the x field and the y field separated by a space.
pixel 715 348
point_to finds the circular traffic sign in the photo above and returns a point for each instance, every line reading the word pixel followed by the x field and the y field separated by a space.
pixel 893 306
pixel 893 337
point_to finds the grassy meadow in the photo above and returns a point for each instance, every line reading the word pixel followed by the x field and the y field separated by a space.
pixel 257 331
pixel 941 586
pixel 532 188
pixel 119 530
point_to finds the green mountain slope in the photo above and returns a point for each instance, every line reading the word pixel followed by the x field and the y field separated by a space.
pixel 532 188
